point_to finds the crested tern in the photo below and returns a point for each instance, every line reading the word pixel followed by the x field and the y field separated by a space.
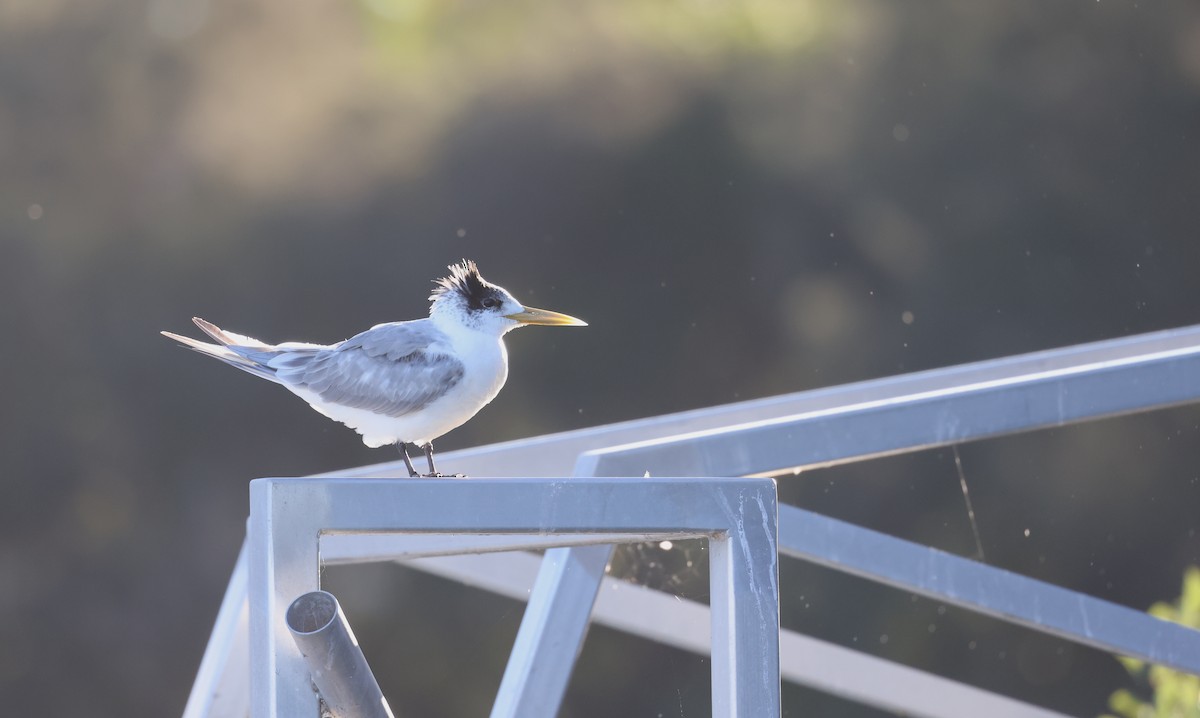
pixel 401 382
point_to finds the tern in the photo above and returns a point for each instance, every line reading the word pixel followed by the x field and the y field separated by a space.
pixel 401 382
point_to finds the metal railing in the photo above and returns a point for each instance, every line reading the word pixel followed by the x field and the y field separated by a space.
pixel 809 429
pixel 289 517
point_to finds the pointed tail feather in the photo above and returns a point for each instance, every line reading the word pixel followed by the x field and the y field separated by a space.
pixel 227 350
pixel 228 338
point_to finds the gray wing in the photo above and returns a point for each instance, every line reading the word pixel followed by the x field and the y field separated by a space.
pixel 392 369
pixel 397 339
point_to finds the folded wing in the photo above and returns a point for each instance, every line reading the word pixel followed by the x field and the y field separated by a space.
pixel 392 369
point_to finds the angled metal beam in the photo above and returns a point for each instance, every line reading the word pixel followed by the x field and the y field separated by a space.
pixel 554 624
pixel 556 454
pixel 1018 396
pixel 684 624
pixel 991 591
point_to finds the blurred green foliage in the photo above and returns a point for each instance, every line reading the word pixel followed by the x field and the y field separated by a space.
pixel 1175 694
pixel 412 28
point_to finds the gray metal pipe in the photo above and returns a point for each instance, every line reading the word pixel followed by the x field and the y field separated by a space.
pixel 339 669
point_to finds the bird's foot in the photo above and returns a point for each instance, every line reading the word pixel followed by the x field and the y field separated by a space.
pixel 440 475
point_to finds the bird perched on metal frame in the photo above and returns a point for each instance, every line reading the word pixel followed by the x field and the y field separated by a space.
pixel 401 382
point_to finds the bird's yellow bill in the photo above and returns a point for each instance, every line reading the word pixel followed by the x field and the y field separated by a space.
pixel 530 315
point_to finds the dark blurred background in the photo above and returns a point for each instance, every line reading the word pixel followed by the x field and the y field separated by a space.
pixel 744 198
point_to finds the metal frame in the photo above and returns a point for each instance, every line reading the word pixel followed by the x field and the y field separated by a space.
pixel 1020 394
pixel 821 428
pixel 288 518
pixel 683 624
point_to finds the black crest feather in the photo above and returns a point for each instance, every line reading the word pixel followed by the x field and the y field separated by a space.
pixel 465 280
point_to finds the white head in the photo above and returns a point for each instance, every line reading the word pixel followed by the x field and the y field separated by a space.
pixel 468 300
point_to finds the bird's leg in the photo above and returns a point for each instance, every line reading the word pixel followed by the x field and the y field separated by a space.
pixel 412 470
pixel 429 457
pixel 433 472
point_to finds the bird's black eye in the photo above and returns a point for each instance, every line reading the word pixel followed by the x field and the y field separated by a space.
pixel 490 302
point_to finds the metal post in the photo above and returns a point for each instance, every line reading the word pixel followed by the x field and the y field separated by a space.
pixel 337 664
pixel 743 574
pixel 278 677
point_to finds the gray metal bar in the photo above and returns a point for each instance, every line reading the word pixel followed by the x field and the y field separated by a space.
pixel 288 516
pixel 556 454
pixel 745 623
pixel 683 623
pixel 530 687
pixel 366 548
pixel 923 419
pixel 278 676
pixel 994 592
pixel 336 662
pixel 560 604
